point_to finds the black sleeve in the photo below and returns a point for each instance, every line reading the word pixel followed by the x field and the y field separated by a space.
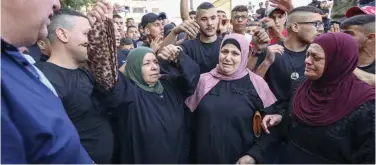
pixel 284 108
pixel 259 147
pixel 364 135
pixel 189 75
pixel 184 46
pixel 123 92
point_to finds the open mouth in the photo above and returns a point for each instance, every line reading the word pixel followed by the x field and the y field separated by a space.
pixel 227 65
pixel 155 75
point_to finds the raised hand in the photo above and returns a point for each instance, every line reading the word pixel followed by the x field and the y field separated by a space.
pixel 272 50
pixel 285 5
pixel 223 25
pixel 101 11
pixel 260 40
pixel 189 27
pixel 156 43
pixel 334 28
pixel 169 53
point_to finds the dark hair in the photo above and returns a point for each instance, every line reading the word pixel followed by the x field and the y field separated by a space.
pixel 116 16
pixel 126 41
pixel 221 11
pixel 68 11
pixel 240 8
pixel 61 20
pixel 308 9
pixel 129 27
pixel 192 13
pixel 360 20
pixel 128 19
pixel 205 6
pixel 140 26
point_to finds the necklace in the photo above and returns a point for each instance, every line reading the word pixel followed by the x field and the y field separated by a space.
pixel 294 75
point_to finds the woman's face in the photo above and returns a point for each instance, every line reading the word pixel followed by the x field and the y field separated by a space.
pixel 229 59
pixel 314 62
pixel 150 69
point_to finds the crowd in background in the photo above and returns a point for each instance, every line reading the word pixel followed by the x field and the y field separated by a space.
pixel 284 85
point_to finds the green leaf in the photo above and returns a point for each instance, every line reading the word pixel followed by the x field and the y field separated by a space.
pixel 76 4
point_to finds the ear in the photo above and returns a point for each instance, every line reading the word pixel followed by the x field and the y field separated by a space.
pixel 370 38
pixel 147 31
pixel 294 27
pixel 62 35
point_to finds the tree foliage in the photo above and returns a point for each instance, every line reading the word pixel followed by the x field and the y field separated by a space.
pixel 76 4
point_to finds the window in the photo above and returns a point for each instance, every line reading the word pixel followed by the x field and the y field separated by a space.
pixel 138 10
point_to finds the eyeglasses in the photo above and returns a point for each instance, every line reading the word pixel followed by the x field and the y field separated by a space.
pixel 316 24
pixel 237 17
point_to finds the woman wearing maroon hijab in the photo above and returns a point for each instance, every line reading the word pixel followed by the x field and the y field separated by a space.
pixel 333 113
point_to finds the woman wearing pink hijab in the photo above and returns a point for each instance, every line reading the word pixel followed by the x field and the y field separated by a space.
pixel 225 102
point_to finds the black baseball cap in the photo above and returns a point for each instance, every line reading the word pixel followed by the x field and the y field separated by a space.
pixel 151 17
pixel 163 15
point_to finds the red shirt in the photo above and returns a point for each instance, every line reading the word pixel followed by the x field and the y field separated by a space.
pixel 275 40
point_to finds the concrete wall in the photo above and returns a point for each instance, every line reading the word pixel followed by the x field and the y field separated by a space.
pixel 225 5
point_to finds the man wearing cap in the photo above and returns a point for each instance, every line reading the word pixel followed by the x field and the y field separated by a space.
pixel 370 10
pixel 163 17
pixel 153 28
pixel 275 22
pixel 362 28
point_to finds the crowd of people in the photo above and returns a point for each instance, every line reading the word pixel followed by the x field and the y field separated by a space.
pixel 286 85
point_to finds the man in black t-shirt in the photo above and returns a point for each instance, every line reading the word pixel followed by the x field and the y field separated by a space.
pixel 284 62
pixel 204 49
pixel 75 86
pixel 362 28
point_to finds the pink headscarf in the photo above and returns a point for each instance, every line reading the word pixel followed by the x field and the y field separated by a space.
pixel 210 79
